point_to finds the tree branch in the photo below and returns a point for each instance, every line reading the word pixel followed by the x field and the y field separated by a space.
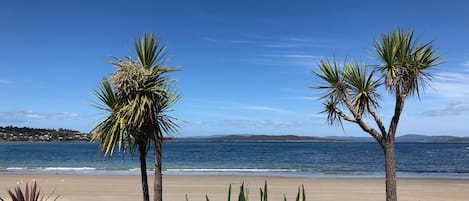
pixel 344 116
pixel 359 120
pixel 378 121
pixel 400 99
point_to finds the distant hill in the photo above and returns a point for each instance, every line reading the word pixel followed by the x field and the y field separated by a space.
pixel 353 139
pixel 11 133
pixel 257 138
pixel 411 138
pixel 295 138
pixel 424 138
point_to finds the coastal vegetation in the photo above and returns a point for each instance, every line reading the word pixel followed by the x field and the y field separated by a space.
pixel 12 133
pixel 244 195
pixel 32 193
pixel 137 99
pixel 352 90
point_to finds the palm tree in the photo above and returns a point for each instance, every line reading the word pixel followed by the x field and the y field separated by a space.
pixel 352 90
pixel 137 100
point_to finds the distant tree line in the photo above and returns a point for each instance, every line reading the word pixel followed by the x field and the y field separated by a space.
pixel 12 133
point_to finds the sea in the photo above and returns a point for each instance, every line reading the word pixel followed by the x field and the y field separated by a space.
pixel 285 159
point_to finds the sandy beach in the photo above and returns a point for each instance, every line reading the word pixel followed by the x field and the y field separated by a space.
pixel 107 187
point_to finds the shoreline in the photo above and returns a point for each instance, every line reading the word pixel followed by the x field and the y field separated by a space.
pixel 235 172
pixel 128 187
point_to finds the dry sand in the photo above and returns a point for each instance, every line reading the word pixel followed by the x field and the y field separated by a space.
pixel 115 188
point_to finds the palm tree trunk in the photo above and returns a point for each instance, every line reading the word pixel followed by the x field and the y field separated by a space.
pixel 390 163
pixel 143 171
pixel 158 182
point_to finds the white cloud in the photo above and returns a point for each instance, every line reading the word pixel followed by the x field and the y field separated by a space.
pixel 229 41
pixel 63 115
pixel 466 63
pixel 32 115
pixel 26 115
pixel 291 59
pixel 304 98
pixel 264 109
pixel 453 85
pixel 9 117
pixel 298 39
pixel 452 109
pixel 290 45
pixel 244 123
pixel 295 42
pixel 271 42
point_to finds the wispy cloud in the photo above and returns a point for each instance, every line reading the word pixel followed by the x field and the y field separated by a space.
pixel 466 64
pixel 10 117
pixel 453 109
pixel 291 45
pixel 34 115
pixel 304 98
pixel 28 114
pixel 295 42
pixel 264 109
pixel 279 59
pixel 262 123
pixel 230 41
pixel 63 115
pixel 272 42
pixel 454 85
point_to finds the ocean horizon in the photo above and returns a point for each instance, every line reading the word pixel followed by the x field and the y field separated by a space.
pixel 285 159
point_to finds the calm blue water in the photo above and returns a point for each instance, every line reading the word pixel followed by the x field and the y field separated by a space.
pixel 441 160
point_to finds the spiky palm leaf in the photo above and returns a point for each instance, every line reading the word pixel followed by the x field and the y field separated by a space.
pixel 137 103
pixel 330 73
pixel 111 132
pixel 150 52
pixel 362 87
pixel 330 108
pixel 32 193
pixel 405 62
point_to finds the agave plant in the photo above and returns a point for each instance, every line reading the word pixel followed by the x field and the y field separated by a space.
pixel 29 194
pixel 243 194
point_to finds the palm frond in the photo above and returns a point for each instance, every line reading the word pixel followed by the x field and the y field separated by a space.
pixel 330 108
pixel 150 53
pixel 110 132
pixel 405 62
pixel 362 87
pixel 331 75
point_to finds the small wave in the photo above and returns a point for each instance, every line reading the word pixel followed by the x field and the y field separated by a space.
pixel 227 170
pixel 15 168
pixel 68 169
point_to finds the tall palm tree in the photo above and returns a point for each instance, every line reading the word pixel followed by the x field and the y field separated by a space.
pixel 352 90
pixel 137 100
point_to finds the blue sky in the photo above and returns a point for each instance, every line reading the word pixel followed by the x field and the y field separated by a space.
pixel 245 65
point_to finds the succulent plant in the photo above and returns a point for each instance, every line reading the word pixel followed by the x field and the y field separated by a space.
pixel 29 194
pixel 243 194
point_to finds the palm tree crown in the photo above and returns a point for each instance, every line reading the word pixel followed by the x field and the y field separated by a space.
pixel 137 99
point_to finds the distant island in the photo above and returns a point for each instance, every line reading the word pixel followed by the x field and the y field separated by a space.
pixel 11 133
pixel 412 138
pixel 257 138
pixel 295 138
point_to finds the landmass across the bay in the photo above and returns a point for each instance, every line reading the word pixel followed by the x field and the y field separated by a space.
pixel 296 138
pixel 11 133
